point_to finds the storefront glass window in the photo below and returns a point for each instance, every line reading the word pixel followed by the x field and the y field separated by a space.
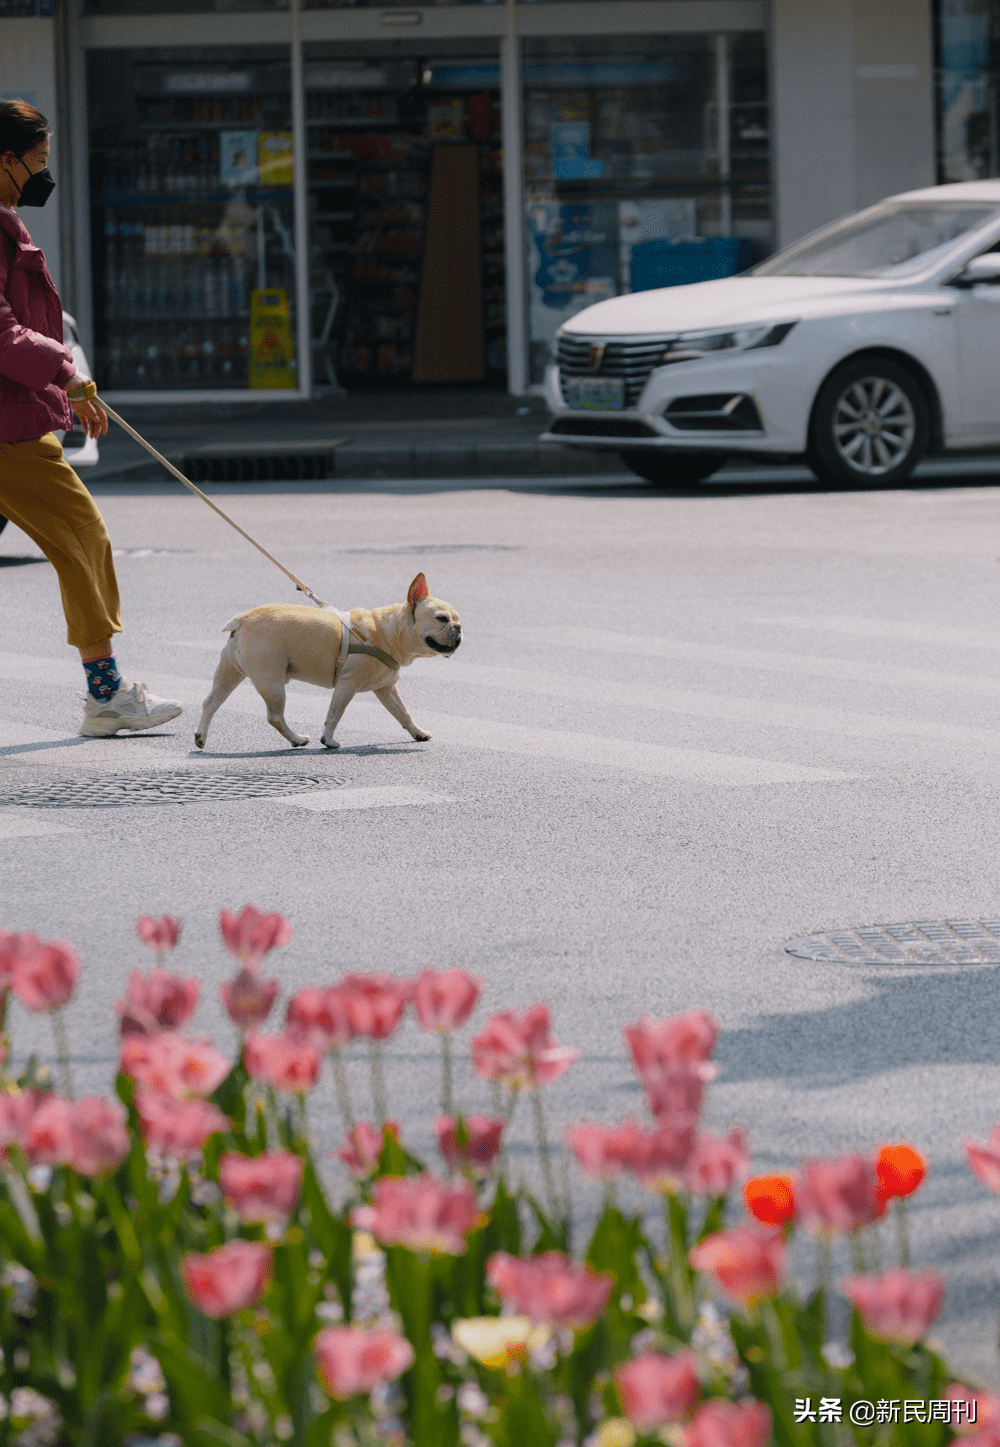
pixel 406 217
pixel 192 219
pixel 968 80
pixel 631 181
pixel 172 7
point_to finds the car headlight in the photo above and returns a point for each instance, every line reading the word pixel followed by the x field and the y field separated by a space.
pixel 690 345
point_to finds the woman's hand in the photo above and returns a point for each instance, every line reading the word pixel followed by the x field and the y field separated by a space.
pixel 91 415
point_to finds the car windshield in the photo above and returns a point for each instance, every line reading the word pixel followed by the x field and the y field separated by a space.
pixel 891 239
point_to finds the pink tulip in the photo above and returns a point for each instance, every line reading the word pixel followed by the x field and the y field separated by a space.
pixel 159 934
pixel 99 1135
pixel 897 1305
pixel 519 1051
pixel 374 1003
pixel 658 1158
pixel 16 1112
pixel 680 1042
pixel 603 1151
pixel 173 1064
pixel 549 1289
pixel 657 1389
pixel 177 1128
pixel 351 1360
pixel 715 1165
pixel 251 934
pixel 157 1001
pixel 979 1423
pixel 8 944
pixel 282 1061
pixel 227 1279
pixel 476 1150
pixel 48 1135
pixel 444 999
pixel 42 974
pixel 838 1195
pixel 984 1160
pixel 261 1188
pixel 719 1423
pixel 248 999
pixel 420 1213
pixel 362 1149
pixel 746 1264
pixel 675 1094
pixel 319 1017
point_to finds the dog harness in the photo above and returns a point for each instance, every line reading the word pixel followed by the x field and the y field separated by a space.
pixel 347 645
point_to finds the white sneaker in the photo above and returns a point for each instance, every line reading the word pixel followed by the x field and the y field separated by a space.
pixel 129 707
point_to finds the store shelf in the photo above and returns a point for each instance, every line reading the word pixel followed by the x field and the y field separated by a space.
pixel 190 198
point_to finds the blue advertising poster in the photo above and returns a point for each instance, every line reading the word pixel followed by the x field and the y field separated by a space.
pixel 574 261
pixel 570 146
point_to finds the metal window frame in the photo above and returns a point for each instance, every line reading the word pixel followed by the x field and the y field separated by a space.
pixel 509 23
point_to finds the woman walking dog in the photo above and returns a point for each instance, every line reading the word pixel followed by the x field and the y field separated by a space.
pixel 39 386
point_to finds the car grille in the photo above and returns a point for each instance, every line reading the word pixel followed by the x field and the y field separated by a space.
pixel 632 360
pixel 605 427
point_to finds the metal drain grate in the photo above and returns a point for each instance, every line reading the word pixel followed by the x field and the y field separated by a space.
pixel 174 786
pixel 924 942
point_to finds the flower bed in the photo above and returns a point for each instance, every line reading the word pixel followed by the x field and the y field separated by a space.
pixel 172 1269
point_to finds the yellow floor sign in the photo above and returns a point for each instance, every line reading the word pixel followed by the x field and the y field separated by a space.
pixel 272 351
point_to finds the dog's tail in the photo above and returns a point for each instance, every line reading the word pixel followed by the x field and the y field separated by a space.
pixel 232 627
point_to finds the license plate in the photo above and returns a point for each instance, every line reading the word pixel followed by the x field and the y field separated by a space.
pixel 595 394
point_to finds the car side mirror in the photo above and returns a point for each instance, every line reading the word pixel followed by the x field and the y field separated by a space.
pixel 983 269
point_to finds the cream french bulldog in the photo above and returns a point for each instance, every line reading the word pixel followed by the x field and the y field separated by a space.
pixel 279 641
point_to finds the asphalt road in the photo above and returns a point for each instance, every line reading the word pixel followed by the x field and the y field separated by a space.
pixel 680 732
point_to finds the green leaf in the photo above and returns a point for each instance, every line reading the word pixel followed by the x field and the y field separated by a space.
pixel 196 1392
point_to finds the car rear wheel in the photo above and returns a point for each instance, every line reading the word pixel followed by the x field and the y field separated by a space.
pixel 673 469
pixel 871 424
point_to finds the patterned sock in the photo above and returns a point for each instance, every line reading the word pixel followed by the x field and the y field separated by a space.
pixel 103 678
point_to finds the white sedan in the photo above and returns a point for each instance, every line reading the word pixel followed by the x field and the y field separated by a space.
pixel 861 348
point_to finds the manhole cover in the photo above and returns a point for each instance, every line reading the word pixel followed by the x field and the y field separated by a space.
pixel 924 942
pixel 176 786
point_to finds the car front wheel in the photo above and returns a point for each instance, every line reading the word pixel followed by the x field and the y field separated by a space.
pixel 673 469
pixel 870 424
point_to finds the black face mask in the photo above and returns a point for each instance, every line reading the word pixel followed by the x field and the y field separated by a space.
pixel 37 188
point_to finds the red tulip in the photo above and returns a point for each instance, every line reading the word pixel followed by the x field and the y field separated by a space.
pixel 897 1305
pixel 838 1195
pixel 227 1279
pixel 374 1003
pixel 719 1423
pixel 746 1264
pixel 771 1199
pixel 519 1051
pixel 657 1389
pixel 351 1360
pixel 420 1213
pixel 251 934
pixel 319 1017
pixel 99 1133
pixel 177 1128
pixel 549 1289
pixel 282 1061
pixel 42 974
pixel 8 945
pixel 173 1064
pixel 362 1149
pixel 476 1150
pixel 984 1160
pixel 680 1042
pixel 900 1169
pixel 444 999
pixel 159 934
pixel 261 1188
pixel 157 1001
pixel 247 998
pixel 715 1165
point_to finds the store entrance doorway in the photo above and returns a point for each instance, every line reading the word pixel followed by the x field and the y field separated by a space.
pixel 406 217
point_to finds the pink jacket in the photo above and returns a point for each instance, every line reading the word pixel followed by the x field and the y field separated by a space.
pixel 33 359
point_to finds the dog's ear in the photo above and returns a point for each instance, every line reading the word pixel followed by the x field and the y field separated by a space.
pixel 418 591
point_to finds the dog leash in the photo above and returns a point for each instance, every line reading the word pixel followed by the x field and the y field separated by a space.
pixel 175 472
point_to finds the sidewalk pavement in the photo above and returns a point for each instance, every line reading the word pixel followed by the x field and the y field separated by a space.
pixel 454 433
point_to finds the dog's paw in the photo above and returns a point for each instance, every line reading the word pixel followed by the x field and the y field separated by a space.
pixel 199 741
pixel 421 738
pixel 299 743
pixel 329 743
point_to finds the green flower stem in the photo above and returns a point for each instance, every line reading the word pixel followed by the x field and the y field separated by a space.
pixel 824 1276
pixel 343 1094
pixel 62 1051
pixel 544 1153
pixel 902 1231
pixel 447 1096
pixel 679 1275
pixel 378 1080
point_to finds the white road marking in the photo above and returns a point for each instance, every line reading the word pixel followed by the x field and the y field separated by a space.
pixel 30 824
pixel 323 801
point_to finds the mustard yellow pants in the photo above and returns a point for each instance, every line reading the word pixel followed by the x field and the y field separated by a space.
pixel 43 496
